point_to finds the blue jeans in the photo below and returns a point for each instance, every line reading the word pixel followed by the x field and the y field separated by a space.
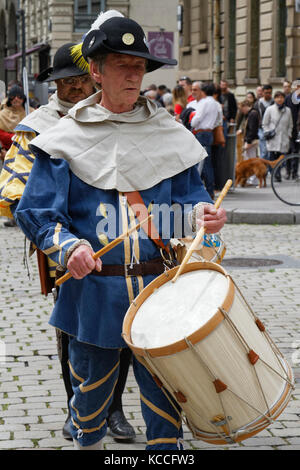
pixel 94 374
pixel 207 173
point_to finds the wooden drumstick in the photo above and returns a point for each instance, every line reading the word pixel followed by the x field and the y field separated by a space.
pixel 201 232
pixel 107 248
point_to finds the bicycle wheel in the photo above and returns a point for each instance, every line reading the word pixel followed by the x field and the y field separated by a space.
pixel 288 189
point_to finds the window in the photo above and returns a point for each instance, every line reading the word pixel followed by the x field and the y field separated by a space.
pixel 281 22
pixel 203 21
pixel 253 38
pixel 230 48
pixel 85 13
pixel 186 23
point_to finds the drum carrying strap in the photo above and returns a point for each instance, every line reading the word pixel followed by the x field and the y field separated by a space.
pixel 138 206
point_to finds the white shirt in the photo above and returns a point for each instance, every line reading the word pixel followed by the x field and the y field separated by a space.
pixel 193 104
pixel 206 115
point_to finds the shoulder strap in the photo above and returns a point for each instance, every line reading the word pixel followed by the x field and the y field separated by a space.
pixel 138 206
pixel 282 113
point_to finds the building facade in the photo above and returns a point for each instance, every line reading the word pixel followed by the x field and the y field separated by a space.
pixel 52 23
pixel 8 35
pixel 247 42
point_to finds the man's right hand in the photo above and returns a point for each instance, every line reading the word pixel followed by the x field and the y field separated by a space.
pixel 81 262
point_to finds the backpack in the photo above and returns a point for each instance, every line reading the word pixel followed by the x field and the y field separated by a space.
pixel 185 117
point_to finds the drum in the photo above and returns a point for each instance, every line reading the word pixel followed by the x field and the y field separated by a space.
pixel 201 341
pixel 211 249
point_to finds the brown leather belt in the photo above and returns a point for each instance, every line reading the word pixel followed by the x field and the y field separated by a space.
pixel 202 130
pixel 155 266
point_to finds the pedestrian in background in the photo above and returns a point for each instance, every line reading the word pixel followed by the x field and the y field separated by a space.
pixel 203 124
pixel 247 135
pixel 293 163
pixel 250 129
pixel 261 105
pixel 228 101
pixel 179 101
pixel 197 95
pixel 151 95
pixel 12 113
pixel 250 96
pixel 167 99
pixel 278 117
pixel 186 82
pixel 259 92
pixel 287 87
pixel 10 84
pixel 161 90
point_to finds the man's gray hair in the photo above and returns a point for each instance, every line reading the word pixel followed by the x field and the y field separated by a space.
pixel 100 59
pixel 198 84
pixel 167 99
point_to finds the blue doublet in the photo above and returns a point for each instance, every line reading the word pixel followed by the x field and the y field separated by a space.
pixel 92 309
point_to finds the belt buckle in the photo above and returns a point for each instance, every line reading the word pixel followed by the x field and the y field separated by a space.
pixel 127 269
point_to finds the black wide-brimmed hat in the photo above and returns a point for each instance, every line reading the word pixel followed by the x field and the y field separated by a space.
pixel 63 65
pixel 121 35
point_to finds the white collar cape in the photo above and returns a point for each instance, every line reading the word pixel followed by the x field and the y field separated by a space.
pixel 45 116
pixel 128 151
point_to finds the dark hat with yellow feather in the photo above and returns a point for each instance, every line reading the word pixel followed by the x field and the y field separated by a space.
pixel 64 65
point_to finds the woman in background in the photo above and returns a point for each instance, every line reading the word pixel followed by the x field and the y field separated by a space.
pixel 179 101
pixel 12 113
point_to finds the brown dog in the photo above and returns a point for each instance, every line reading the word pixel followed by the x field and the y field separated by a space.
pixel 254 166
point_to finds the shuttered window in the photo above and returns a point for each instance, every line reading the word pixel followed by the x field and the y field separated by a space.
pixel 231 52
pixel 281 23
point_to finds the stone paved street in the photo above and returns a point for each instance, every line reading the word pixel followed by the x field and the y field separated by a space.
pixel 32 399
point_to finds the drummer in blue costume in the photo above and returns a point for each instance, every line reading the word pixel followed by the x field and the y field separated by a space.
pixel 113 143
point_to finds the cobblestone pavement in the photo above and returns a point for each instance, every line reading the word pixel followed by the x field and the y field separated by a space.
pixel 32 398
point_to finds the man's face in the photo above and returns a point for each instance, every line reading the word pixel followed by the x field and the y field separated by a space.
pixel 259 92
pixel 196 92
pixel 186 86
pixel 287 88
pixel 74 89
pixel 121 79
pixel 267 94
pixel 223 86
pixel 183 84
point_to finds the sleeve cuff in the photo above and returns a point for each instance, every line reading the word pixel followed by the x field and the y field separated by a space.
pixel 197 210
pixel 73 247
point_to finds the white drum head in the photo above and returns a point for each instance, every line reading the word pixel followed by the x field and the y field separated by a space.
pixel 176 310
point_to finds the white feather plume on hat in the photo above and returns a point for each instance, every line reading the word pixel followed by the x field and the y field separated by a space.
pixel 76 51
pixel 102 17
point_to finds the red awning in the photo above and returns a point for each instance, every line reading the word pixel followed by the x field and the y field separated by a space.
pixel 9 61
